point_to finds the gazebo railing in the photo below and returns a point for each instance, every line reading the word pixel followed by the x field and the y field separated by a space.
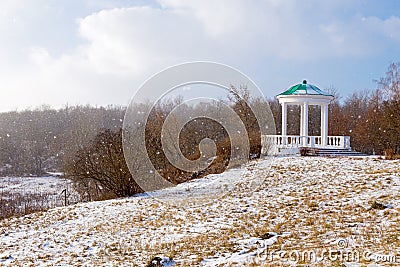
pixel 294 141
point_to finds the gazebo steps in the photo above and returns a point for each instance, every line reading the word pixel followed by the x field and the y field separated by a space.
pixel 332 152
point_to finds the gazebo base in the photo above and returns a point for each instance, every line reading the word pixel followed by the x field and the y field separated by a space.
pixel 307 151
pixel 313 145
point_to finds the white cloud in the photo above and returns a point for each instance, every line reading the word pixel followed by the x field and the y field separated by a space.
pixel 120 47
pixel 390 27
pixel 129 41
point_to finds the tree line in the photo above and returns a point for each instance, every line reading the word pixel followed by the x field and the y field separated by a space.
pixel 86 142
pixel 99 170
pixel 33 142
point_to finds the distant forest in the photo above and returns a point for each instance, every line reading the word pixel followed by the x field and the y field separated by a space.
pixel 33 142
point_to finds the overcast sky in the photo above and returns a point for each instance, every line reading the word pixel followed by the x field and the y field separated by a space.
pixel 100 51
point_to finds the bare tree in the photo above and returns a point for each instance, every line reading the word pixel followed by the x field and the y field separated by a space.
pixel 99 170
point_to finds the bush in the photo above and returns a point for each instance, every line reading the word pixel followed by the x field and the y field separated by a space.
pixel 390 155
pixel 99 171
pixel 378 206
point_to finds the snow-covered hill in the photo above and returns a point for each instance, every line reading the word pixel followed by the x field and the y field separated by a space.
pixel 325 206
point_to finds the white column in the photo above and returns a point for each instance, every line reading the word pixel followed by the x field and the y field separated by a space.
pixel 284 118
pixel 301 120
pixel 324 124
pixel 305 121
pixel 323 141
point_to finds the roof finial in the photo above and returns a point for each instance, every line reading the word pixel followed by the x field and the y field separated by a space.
pixel 304 82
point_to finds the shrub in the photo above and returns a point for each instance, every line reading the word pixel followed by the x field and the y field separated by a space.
pixel 99 171
pixel 377 206
pixel 390 155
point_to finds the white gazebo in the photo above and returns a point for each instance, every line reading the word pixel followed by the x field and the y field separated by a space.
pixel 304 95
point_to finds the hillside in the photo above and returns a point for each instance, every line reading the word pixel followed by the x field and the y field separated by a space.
pixel 328 206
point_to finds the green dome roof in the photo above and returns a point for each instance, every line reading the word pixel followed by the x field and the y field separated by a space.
pixel 304 89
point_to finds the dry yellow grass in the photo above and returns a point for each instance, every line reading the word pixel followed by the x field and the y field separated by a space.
pixel 309 202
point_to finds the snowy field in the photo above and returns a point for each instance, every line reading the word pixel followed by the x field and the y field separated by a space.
pixel 309 211
pixel 22 195
pixel 49 184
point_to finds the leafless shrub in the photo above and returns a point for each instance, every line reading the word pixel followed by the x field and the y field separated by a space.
pixel 99 171
pixel 390 155
pixel 18 203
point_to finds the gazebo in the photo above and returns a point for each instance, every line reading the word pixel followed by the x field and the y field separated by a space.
pixel 304 95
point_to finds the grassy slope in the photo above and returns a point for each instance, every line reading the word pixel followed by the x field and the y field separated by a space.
pixel 310 203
